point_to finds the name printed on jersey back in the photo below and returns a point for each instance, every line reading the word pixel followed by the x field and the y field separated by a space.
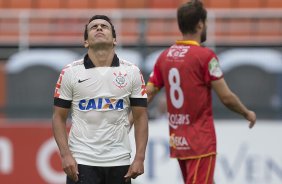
pixel 176 120
pixel 101 104
pixel 178 51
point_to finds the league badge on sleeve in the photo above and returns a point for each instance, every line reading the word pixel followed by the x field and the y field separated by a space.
pixel 214 68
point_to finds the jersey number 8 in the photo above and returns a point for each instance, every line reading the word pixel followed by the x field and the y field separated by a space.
pixel 175 91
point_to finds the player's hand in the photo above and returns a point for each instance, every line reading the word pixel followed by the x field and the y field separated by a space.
pixel 251 117
pixel 70 167
pixel 135 169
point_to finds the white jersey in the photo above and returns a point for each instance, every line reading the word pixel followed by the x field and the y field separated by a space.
pixel 100 98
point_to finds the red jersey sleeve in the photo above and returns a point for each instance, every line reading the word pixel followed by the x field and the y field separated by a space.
pixel 156 76
pixel 212 69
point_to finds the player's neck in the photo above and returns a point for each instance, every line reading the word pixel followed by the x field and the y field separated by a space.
pixel 101 58
pixel 192 37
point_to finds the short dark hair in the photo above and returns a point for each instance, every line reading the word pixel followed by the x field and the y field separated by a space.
pixel 189 15
pixel 104 17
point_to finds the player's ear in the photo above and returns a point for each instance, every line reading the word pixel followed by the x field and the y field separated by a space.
pixel 115 42
pixel 200 25
pixel 86 45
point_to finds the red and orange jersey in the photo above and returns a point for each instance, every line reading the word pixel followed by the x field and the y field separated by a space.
pixel 186 70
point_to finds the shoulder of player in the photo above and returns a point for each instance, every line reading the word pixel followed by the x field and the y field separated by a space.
pixel 70 68
pixel 206 52
pixel 74 65
pixel 204 49
pixel 77 63
pixel 127 64
pixel 164 52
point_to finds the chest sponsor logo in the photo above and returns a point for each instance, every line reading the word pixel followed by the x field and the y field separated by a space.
pixel 178 142
pixel 101 103
pixel 120 80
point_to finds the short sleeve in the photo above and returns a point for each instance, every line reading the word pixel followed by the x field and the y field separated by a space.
pixel 213 70
pixel 138 84
pixel 63 88
pixel 156 76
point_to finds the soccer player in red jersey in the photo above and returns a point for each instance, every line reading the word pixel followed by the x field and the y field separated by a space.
pixel 189 72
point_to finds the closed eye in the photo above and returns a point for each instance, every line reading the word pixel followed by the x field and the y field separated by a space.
pixel 95 26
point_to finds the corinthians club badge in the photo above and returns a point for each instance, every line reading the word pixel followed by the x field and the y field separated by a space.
pixel 119 80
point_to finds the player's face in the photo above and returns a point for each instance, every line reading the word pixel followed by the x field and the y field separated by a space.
pixel 99 33
pixel 204 34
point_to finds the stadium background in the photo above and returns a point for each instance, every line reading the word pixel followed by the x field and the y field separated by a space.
pixel 39 37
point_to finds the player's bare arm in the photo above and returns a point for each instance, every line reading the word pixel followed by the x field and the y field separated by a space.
pixel 231 101
pixel 151 91
pixel 60 134
pixel 140 119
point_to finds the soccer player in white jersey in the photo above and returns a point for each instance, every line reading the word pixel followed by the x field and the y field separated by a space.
pixel 100 90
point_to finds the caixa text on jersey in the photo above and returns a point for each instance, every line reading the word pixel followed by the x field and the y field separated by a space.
pixel 101 103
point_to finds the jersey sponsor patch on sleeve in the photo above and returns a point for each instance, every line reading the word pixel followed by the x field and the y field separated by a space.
pixel 214 68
